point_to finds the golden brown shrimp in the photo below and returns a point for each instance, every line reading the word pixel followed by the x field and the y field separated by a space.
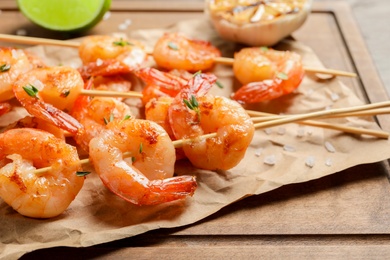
pixel 193 113
pixel 13 62
pixel 94 114
pixel 45 92
pixel 36 123
pixel 159 83
pixel 176 51
pixel 266 74
pixel 41 195
pixel 104 55
pixel 145 178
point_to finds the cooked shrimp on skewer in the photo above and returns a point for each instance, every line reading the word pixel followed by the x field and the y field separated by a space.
pixel 266 74
pixel 36 123
pixel 176 51
pixel 45 92
pixel 14 62
pixel 94 114
pixel 38 195
pixel 104 55
pixel 193 113
pixel 145 178
pixel 159 83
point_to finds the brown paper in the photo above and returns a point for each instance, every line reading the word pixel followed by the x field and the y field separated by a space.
pixel 97 216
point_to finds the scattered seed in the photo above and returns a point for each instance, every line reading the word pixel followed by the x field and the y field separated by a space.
pixel 268 131
pixel 301 132
pixel 107 15
pixel 21 32
pixel 334 97
pixel 281 131
pixel 258 152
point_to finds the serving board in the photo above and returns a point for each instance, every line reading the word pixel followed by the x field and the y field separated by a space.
pixel 342 215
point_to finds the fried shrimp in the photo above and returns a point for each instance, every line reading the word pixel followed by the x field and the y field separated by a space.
pixel 104 55
pixel 193 113
pixel 266 74
pixel 14 62
pixel 45 92
pixel 35 195
pixel 176 51
pixel 145 177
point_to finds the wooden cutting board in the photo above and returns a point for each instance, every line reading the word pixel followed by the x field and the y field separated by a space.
pixel 344 215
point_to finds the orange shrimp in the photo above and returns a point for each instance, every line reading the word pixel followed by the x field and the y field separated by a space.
pixel 176 51
pixel 193 113
pixel 14 62
pixel 94 114
pixel 266 74
pixel 43 195
pixel 5 107
pixel 36 123
pixel 145 178
pixel 104 55
pixel 159 83
pixel 45 92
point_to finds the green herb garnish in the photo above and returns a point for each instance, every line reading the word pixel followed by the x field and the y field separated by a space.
pixel 197 73
pixel 264 48
pixel 31 90
pixel 122 43
pixel 82 173
pixel 65 93
pixel 111 118
pixel 219 84
pixel 133 159
pixel 282 75
pixel 173 46
pixel 127 117
pixel 5 67
pixel 141 147
pixel 193 104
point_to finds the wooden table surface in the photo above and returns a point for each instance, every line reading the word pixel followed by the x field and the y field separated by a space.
pixel 345 215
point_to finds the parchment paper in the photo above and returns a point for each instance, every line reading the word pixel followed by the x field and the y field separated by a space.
pixel 97 216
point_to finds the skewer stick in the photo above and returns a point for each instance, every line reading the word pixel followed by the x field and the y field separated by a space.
pixel 107 93
pixel 73 44
pixel 285 120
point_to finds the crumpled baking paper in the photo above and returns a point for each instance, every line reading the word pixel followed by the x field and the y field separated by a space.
pixel 277 156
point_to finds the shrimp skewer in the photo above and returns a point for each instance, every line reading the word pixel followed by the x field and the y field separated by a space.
pixel 266 74
pixel 45 195
pixel 55 85
pixel 221 60
pixel 145 179
pixel 14 62
pixel 193 114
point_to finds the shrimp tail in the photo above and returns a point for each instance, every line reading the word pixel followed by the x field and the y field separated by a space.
pixel 259 91
pixel 106 68
pixel 52 114
pixel 170 189
pixel 199 85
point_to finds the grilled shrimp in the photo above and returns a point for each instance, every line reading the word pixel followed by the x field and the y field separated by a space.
pixel 14 62
pixel 266 74
pixel 42 195
pixel 46 92
pixel 176 51
pixel 145 177
pixel 194 113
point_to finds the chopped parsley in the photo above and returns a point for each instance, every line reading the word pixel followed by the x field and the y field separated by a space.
pixel 122 43
pixel 282 75
pixel 193 104
pixel 82 173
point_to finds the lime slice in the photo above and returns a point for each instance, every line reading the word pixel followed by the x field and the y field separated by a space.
pixel 65 15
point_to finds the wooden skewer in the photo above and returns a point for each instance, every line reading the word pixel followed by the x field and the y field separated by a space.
pixel 108 93
pixel 73 44
pixel 285 120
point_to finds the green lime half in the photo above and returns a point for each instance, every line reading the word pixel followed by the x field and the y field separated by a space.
pixel 65 15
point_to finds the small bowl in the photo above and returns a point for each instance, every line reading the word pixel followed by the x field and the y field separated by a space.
pixel 248 28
